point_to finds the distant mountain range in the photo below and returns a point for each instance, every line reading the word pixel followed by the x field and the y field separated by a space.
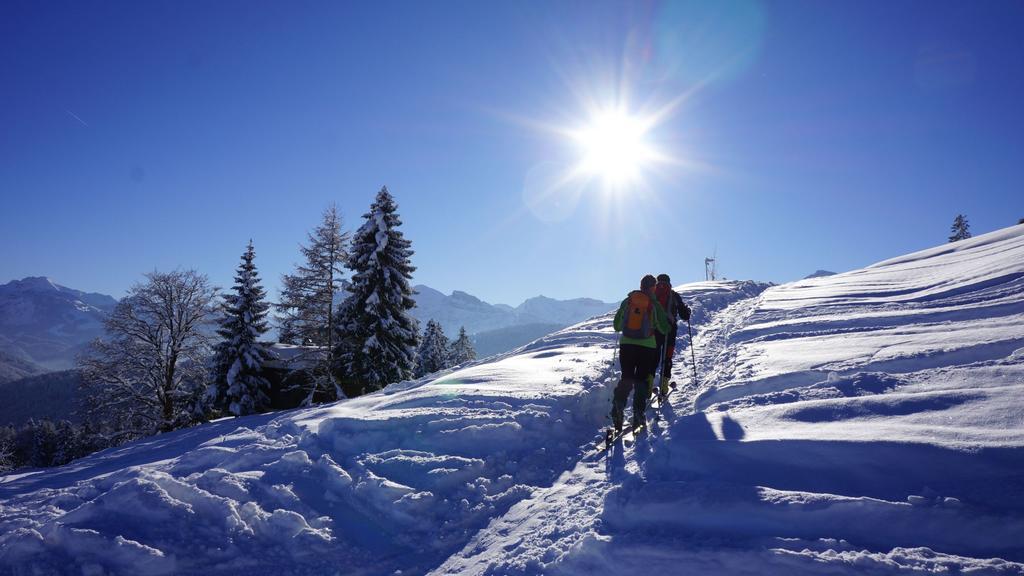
pixel 462 309
pixel 44 325
pixel 497 328
pixel 491 342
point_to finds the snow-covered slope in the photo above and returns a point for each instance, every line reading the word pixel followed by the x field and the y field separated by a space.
pixel 396 480
pixel 867 422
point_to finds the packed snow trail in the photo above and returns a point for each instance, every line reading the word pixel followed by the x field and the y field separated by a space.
pixel 539 533
pixel 864 422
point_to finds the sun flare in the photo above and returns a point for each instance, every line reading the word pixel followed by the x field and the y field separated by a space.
pixel 614 147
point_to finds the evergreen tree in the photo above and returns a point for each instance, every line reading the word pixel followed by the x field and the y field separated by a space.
pixel 307 297
pixel 24 443
pixel 41 444
pixel 961 229
pixel 44 443
pixel 379 336
pixel 240 387
pixel 307 304
pixel 434 350
pixel 93 437
pixel 68 444
pixel 7 461
pixel 462 349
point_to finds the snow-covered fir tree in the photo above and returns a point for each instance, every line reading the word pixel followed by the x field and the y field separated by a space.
pixel 240 386
pixel 378 334
pixel 42 443
pixel 68 443
pixel 960 230
pixel 6 452
pixel 462 350
pixel 433 354
pixel 306 310
pixel 45 443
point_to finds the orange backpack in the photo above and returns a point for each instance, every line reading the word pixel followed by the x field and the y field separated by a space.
pixel 639 321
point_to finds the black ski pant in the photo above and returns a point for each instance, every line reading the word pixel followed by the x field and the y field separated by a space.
pixel 667 348
pixel 638 364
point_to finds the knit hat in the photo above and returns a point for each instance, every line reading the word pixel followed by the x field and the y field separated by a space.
pixel 664 278
pixel 647 281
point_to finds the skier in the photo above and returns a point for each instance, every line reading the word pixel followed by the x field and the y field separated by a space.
pixel 639 318
pixel 675 309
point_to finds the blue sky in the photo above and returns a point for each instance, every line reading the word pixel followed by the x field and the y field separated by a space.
pixel 802 135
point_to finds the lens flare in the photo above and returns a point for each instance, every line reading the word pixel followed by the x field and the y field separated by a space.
pixel 614 147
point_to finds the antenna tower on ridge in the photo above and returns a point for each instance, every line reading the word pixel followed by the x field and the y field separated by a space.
pixel 710 269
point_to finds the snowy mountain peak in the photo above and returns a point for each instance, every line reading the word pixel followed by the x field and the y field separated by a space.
pixel 461 296
pixel 427 292
pixel 34 283
pixel 819 274
pixel 49 323
pixel 46 286
pixel 541 298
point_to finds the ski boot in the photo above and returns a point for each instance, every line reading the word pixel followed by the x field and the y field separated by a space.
pixel 639 422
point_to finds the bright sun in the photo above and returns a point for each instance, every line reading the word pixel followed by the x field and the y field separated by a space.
pixel 614 147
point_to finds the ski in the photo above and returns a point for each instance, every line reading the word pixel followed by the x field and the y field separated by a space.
pixel 658 401
pixel 654 404
pixel 611 436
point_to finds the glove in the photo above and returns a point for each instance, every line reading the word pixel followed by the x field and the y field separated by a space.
pixel 685 312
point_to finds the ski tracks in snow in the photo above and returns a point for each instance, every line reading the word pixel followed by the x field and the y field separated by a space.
pixel 545 533
pixel 702 493
pixel 716 360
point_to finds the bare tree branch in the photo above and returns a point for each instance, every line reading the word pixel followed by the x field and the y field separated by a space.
pixel 154 354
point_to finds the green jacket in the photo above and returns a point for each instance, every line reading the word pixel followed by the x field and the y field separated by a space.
pixel 660 319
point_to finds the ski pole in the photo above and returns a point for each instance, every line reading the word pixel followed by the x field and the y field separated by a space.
pixel 693 354
pixel 683 359
pixel 615 356
pixel 659 370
